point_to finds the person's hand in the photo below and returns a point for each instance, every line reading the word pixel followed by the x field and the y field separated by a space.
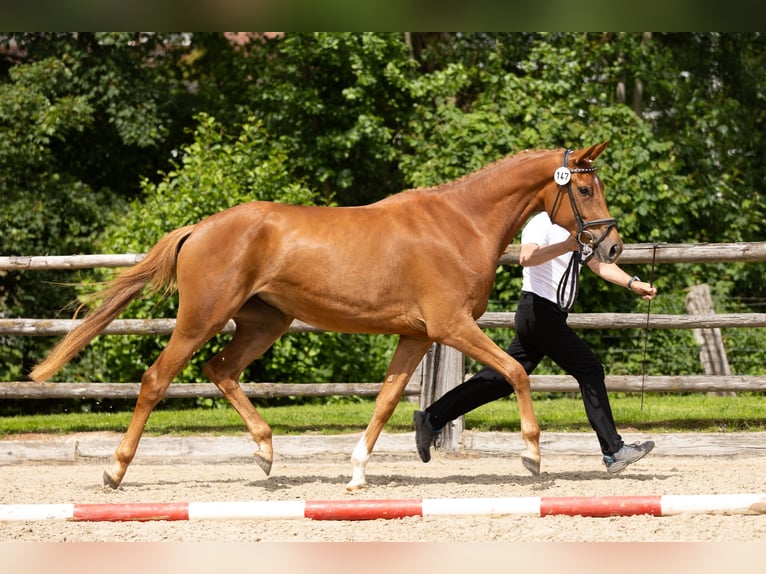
pixel 644 289
pixel 571 243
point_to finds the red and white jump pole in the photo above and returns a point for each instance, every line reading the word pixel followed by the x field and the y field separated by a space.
pixel 361 509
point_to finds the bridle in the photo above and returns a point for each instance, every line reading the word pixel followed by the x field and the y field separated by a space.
pixel 588 243
pixel 567 291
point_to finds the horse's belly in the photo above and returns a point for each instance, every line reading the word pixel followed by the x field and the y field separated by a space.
pixel 335 314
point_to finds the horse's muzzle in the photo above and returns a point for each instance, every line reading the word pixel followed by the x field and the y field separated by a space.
pixel 609 250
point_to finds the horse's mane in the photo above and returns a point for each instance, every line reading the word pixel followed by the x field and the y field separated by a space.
pixel 440 187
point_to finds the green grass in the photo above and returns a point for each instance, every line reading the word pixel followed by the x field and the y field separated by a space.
pixel 660 413
pixel 656 413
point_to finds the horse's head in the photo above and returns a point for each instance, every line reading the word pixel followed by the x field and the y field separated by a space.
pixel 575 201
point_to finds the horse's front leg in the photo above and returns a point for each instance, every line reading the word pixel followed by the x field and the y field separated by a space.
pixel 409 352
pixel 472 341
pixel 530 429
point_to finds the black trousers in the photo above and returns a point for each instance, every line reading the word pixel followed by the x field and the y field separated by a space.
pixel 541 330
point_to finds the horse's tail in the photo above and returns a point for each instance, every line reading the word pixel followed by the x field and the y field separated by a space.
pixel 157 270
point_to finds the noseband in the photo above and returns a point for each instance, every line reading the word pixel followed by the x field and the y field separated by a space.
pixel 569 284
pixel 588 243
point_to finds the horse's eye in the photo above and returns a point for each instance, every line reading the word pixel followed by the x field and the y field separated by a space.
pixel 584 190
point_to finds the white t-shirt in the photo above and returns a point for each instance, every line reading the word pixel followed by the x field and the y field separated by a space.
pixel 544 279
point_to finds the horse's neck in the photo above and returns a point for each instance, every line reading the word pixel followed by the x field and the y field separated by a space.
pixel 502 197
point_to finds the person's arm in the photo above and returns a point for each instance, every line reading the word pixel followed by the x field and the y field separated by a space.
pixel 611 272
pixel 532 254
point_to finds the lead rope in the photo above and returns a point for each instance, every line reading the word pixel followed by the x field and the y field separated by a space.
pixel 646 327
pixel 569 284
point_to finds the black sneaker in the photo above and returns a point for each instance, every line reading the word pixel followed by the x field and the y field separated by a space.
pixel 628 454
pixel 424 434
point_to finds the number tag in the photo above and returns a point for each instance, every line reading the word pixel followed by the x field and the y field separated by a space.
pixel 562 175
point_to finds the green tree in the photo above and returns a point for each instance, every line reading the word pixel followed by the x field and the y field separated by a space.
pixel 339 102
pixel 46 209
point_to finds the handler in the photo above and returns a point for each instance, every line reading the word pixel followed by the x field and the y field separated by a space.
pixel 542 330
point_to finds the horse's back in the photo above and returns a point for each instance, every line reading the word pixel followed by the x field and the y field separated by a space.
pixel 278 228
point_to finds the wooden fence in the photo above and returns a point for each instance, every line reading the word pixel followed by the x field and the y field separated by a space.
pixel 442 368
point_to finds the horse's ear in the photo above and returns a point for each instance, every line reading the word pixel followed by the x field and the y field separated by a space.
pixel 589 154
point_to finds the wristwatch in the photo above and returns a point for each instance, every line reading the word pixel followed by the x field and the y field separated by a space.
pixel 630 282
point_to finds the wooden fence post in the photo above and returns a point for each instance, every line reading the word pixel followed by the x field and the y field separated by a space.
pixel 712 351
pixel 443 368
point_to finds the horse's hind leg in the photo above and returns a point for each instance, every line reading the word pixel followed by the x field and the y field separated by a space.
pixel 407 356
pixel 200 316
pixel 258 326
pixel 154 384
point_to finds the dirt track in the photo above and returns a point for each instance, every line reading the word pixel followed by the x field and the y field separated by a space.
pixel 317 468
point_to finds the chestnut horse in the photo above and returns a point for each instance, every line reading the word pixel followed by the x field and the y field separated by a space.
pixel 419 264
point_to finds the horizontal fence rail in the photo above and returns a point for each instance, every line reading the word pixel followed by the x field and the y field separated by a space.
pixel 539 384
pixel 633 253
pixel 31 390
pixel 66 262
pixel 661 253
pixel 675 253
pixel 58 327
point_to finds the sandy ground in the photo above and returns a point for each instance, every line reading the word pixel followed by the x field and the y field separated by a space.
pixel 208 469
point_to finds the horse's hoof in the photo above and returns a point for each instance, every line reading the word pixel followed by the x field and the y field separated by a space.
pixel 110 482
pixel 531 465
pixel 355 487
pixel 263 462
